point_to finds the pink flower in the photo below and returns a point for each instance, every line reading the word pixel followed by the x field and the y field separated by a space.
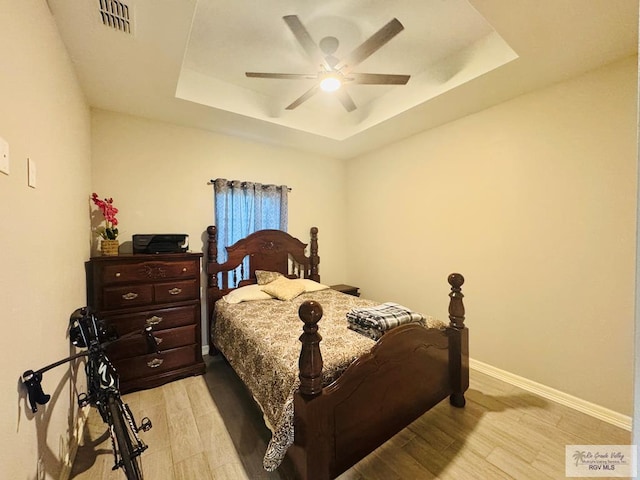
pixel 109 213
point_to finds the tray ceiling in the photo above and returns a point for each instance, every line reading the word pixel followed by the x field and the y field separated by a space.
pixel 184 61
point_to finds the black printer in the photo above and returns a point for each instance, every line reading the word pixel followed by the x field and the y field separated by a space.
pixel 160 243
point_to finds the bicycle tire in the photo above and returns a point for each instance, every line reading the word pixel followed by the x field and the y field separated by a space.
pixel 130 462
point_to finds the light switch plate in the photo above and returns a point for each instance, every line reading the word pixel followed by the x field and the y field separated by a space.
pixel 31 173
pixel 4 156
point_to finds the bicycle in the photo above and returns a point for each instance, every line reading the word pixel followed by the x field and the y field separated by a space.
pixel 103 392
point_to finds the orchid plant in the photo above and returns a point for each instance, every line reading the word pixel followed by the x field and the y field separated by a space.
pixel 110 230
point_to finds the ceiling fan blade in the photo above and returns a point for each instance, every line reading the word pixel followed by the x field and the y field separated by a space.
pixel 304 97
pixel 379 79
pixel 285 76
pixel 305 40
pixel 373 43
pixel 345 99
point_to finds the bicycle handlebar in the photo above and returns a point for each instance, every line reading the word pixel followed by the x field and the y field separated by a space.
pixel 152 343
pixel 32 380
pixel 34 389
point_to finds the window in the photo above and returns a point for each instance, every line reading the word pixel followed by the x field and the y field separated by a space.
pixel 242 208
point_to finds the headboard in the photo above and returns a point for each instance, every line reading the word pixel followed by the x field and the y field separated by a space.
pixel 272 250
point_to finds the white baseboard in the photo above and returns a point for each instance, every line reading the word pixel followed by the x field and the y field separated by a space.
pixel 74 443
pixel 597 411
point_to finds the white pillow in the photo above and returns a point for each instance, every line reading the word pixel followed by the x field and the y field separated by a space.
pixel 310 285
pixel 283 289
pixel 247 293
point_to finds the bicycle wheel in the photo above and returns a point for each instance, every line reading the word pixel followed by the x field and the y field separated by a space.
pixel 130 462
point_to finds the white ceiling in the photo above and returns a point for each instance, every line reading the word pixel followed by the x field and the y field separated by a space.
pixel 185 61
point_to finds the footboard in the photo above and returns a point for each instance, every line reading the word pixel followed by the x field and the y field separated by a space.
pixel 409 371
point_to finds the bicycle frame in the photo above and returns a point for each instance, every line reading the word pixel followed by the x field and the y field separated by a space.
pixel 103 389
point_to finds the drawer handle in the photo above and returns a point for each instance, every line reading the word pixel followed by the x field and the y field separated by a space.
pixel 130 296
pixel 175 291
pixel 153 321
pixel 155 363
pixel 117 274
pixel 158 340
pixel 184 269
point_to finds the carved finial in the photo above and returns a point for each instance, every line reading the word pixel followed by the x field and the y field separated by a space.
pixel 310 312
pixel 456 307
pixel 456 280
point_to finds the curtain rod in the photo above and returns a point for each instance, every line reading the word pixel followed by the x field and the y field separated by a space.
pixel 244 184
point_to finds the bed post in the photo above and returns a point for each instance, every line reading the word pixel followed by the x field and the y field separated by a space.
pixel 458 342
pixel 310 362
pixel 212 254
pixel 314 259
pixel 311 449
pixel 212 279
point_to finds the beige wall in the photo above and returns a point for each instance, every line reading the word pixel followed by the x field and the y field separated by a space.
pixel 157 174
pixel 534 201
pixel 44 232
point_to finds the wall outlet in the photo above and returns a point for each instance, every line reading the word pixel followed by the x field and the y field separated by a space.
pixel 4 156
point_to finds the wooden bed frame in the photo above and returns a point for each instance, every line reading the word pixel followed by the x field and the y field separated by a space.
pixel 407 372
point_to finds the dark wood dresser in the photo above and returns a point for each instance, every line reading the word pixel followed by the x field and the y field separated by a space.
pixel 163 290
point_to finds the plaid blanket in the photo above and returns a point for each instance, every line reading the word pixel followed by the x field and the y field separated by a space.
pixel 372 333
pixel 374 321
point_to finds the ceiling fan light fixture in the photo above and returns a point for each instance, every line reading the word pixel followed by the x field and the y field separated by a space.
pixel 333 71
pixel 330 84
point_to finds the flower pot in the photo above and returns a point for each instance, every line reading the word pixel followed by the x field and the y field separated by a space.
pixel 109 247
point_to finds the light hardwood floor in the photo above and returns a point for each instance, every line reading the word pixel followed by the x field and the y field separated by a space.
pixel 207 428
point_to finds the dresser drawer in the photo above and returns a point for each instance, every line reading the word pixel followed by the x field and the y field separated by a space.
pixel 118 297
pixel 149 271
pixel 153 364
pixel 166 340
pixel 176 291
pixel 127 296
pixel 162 319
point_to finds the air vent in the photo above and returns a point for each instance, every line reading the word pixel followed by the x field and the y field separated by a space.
pixel 115 14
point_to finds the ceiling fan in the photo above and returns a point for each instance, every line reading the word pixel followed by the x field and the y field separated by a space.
pixel 333 72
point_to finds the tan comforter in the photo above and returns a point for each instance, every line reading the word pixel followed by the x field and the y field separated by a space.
pixel 260 341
